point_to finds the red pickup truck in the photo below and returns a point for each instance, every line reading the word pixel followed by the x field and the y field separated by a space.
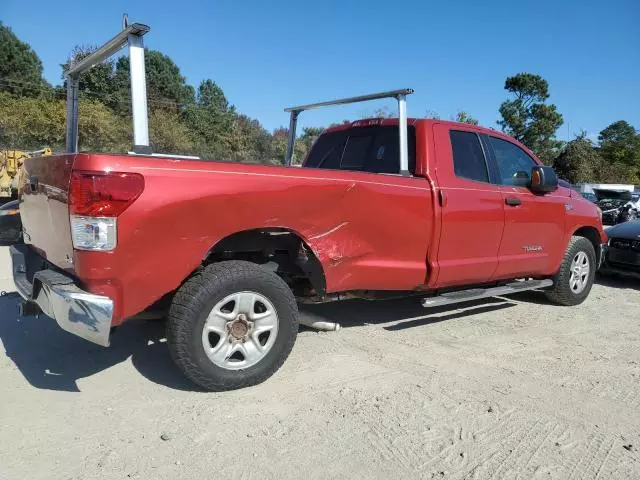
pixel 228 248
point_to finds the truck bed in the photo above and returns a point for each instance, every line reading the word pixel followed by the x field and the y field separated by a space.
pixel 358 225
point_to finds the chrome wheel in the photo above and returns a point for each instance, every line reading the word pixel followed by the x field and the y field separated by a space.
pixel 580 269
pixel 240 330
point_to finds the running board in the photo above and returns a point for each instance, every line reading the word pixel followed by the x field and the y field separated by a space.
pixel 477 293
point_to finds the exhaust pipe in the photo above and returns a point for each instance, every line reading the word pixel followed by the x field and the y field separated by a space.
pixel 319 325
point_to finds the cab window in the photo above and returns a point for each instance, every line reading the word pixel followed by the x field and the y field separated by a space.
pixel 372 149
pixel 514 164
pixel 468 158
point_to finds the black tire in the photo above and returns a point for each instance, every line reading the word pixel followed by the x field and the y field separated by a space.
pixel 561 292
pixel 194 301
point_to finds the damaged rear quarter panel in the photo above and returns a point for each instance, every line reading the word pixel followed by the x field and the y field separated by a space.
pixel 369 231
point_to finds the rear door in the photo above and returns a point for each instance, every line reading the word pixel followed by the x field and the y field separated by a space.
pixel 44 207
pixel 383 220
pixel 534 224
pixel 472 211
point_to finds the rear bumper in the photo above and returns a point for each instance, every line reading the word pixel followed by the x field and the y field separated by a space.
pixel 57 296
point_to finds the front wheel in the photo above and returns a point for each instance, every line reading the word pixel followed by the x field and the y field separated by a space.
pixel 573 281
pixel 232 325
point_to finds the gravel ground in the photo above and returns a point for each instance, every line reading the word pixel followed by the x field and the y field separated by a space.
pixel 505 388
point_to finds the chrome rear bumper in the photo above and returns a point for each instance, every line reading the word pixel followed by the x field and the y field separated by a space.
pixel 57 296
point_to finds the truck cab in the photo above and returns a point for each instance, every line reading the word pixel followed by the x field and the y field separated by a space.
pixel 490 224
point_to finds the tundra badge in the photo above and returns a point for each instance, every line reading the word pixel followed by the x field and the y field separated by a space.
pixel 532 248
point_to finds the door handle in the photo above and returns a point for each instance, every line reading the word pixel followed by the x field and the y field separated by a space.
pixel 513 202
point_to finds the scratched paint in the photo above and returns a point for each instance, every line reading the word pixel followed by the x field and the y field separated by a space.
pixel 329 232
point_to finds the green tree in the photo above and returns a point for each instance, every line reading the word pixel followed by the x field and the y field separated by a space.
pixel 168 133
pixel 212 119
pixel 96 83
pixel 280 137
pixel 250 142
pixel 464 117
pixel 614 173
pixel 528 118
pixel 579 161
pixel 100 129
pixel 37 122
pixel 20 67
pixel 309 135
pixel 166 87
pixel 31 123
pixel 620 143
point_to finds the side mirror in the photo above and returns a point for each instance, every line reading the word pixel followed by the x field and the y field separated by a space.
pixel 543 179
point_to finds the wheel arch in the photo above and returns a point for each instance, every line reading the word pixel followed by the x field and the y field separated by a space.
pixel 593 235
pixel 284 247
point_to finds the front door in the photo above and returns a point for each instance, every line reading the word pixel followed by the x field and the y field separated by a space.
pixel 472 213
pixel 534 224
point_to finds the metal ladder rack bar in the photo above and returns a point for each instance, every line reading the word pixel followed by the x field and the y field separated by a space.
pixel 130 35
pixel 399 95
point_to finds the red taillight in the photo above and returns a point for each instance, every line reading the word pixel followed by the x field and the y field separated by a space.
pixel 99 194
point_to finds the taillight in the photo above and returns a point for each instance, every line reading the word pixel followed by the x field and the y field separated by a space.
pixel 95 200
pixel 94 233
pixel 99 194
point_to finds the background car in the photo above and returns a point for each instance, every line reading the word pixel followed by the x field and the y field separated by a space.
pixel 617 205
pixel 590 196
pixel 10 223
pixel 622 255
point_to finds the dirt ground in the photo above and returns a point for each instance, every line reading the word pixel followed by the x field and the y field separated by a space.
pixel 506 388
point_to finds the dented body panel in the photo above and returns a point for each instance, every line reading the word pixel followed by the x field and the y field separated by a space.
pixel 369 231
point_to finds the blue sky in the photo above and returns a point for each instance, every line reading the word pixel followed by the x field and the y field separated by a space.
pixel 267 55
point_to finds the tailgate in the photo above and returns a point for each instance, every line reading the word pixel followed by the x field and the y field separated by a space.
pixel 44 207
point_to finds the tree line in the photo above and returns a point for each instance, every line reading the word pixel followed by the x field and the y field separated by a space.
pixel 201 121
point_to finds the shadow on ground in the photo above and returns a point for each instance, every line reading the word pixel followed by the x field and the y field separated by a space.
pixel 618 281
pixel 401 313
pixel 52 359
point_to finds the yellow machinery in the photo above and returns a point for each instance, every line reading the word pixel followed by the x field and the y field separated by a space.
pixel 10 169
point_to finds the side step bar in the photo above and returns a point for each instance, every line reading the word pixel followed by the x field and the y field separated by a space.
pixel 477 293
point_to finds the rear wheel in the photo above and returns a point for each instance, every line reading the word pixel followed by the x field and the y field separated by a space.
pixel 573 281
pixel 232 325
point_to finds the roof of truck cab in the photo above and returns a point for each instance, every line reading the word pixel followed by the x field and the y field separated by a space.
pixel 368 122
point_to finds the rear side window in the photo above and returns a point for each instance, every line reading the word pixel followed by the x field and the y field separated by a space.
pixel 374 149
pixel 468 157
